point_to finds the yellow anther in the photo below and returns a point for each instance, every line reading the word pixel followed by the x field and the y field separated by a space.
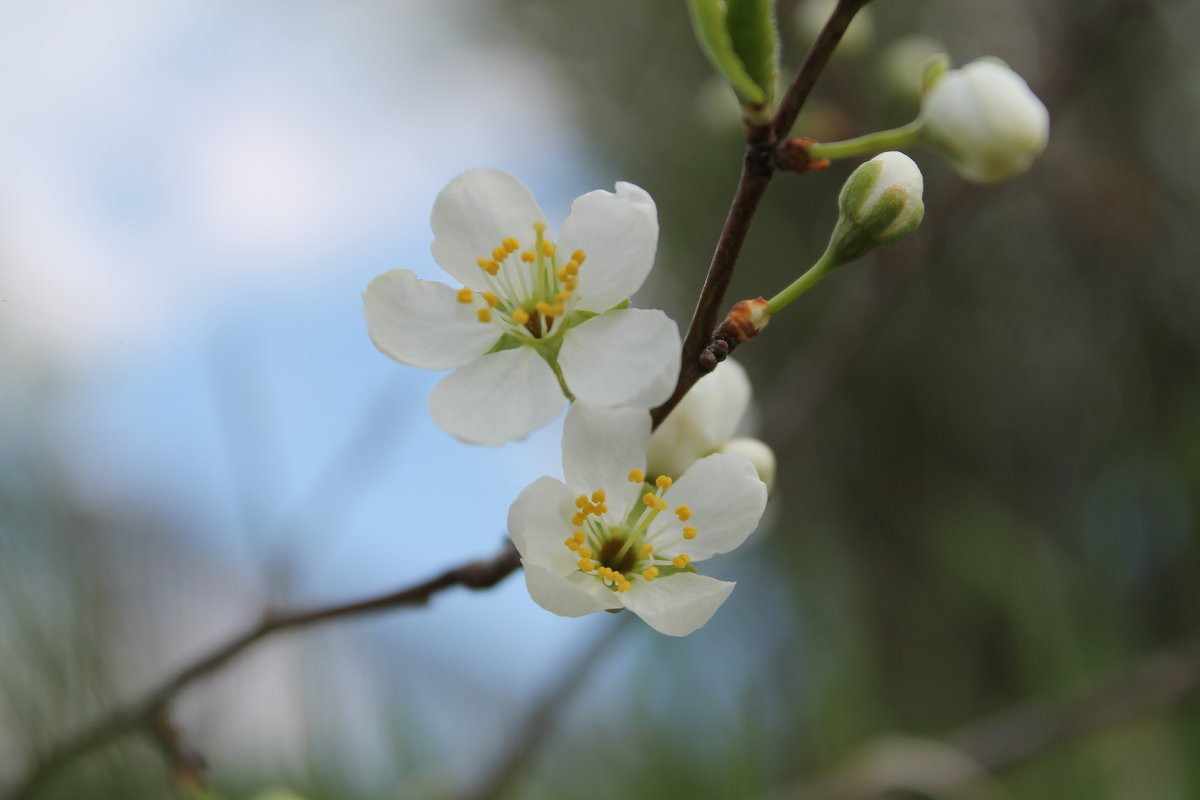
pixel 581 501
pixel 484 314
pixel 663 482
pixel 650 574
pixel 465 295
pixel 636 476
pixel 499 254
pixel 562 275
pixel 571 544
pixel 562 296
pixel 684 513
pixel 579 256
pixel 624 586
pixel 544 308
pixel 647 550
pixel 689 531
pixel 491 267
pixel 572 268
pixel 598 496
pixel 579 536
pixel 681 560
pixel 482 262
pixel 558 310
pixel 569 284
pixel 548 249
pixel 520 316
pixel 579 518
pixel 539 226
pixel 600 509
pixel 490 299
pixel 585 551
pixel 585 564
pixel 510 244
pixel 662 505
pixel 527 256
pixel 650 499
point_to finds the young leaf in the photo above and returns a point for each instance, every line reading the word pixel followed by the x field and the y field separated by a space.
pixel 709 21
pixel 751 25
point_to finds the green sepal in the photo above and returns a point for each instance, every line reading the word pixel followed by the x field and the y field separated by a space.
pixel 856 189
pixel 709 22
pixel 664 571
pixel 506 342
pixel 936 67
pixel 752 28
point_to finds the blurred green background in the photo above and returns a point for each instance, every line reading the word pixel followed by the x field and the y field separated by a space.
pixel 988 434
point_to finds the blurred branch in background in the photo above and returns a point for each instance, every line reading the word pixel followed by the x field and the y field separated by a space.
pixel 1159 683
pixel 147 713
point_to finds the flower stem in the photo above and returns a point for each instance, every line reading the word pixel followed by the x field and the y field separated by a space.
pixel 809 279
pixel 872 143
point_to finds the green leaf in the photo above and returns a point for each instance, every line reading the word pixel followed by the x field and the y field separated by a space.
pixel 709 21
pixel 751 25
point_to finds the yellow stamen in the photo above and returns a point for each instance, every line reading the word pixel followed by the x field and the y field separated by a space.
pixel 663 482
pixel 689 531
pixel 572 268
pixel 465 295
pixel 650 499
pixel 585 564
pixel 584 551
pixel 548 249
pixel 490 267
pixel 684 513
pixel 650 574
pixel 490 299
pixel 562 297
pixel 510 244
pixel 579 518
pixel 600 509
pixel 571 544
pixel 598 496
pixel 539 226
pixel 520 316
pixel 544 308
pixel 558 310
pixel 636 476
pixel 681 560
pixel 570 284
pixel 581 501
pixel 484 314
pixel 624 586
pixel 499 254
pixel 528 257
pixel 647 550
pixel 579 536
pixel 562 274
pixel 579 256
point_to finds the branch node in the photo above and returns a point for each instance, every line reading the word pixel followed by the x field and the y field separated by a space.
pixel 792 155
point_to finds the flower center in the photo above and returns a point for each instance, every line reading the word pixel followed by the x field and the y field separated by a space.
pixel 629 547
pixel 528 290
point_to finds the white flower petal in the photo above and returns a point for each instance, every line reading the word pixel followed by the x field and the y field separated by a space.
pixel 677 604
pixel 473 214
pixel 703 421
pixel 727 500
pixel 422 324
pixel 538 522
pixel 497 398
pixel 619 234
pixel 628 357
pixel 568 596
pixel 601 446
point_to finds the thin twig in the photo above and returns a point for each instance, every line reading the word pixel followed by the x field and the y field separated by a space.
pixel 758 168
pixel 143 714
pixel 1025 732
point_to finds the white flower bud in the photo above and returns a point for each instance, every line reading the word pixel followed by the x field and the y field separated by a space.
pixel 757 453
pixel 880 203
pixel 985 120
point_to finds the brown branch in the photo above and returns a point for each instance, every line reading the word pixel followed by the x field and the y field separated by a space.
pixel 1015 736
pixel 146 714
pixel 758 168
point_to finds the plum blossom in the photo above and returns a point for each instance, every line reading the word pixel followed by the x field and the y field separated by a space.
pixel 606 539
pixel 537 319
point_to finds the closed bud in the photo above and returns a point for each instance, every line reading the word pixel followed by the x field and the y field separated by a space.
pixel 758 453
pixel 880 203
pixel 985 120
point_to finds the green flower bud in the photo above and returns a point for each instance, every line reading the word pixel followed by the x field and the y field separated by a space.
pixel 879 204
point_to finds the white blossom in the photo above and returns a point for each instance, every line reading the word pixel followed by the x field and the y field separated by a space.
pixel 985 120
pixel 880 203
pixel 606 539
pixel 536 317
